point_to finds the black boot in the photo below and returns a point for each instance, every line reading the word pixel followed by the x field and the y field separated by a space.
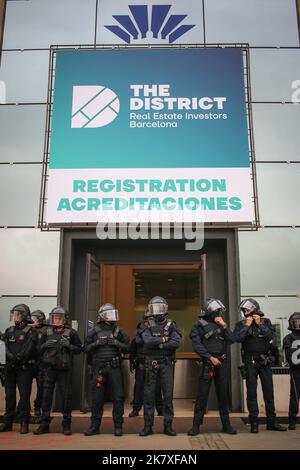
pixel 5 427
pixel 169 431
pixel 66 429
pixel 36 419
pixel 228 429
pixel 254 428
pixel 275 427
pixel 118 430
pixel 292 426
pixel 195 430
pixel 24 427
pixel 42 429
pixel 133 413
pixel 93 430
pixel 147 431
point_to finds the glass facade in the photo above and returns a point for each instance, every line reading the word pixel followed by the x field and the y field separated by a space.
pixel 269 257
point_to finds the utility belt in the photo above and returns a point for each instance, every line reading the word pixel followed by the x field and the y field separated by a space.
pixel 258 359
pixel 156 363
pixel 114 362
pixel 15 366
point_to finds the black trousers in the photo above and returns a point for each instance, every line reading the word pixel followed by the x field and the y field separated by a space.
pixel 294 395
pixel 63 380
pixel 100 380
pixel 207 374
pixel 21 378
pixel 264 372
pixel 38 375
pixel 164 373
pixel 138 391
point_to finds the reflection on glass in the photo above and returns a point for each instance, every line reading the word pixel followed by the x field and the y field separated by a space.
pixel 180 289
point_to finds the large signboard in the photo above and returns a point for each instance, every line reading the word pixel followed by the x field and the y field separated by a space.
pixel 149 135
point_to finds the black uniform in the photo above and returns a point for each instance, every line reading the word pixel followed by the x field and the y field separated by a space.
pixel 38 373
pixel 20 343
pixel 256 345
pixel 291 346
pixel 104 345
pixel 159 342
pixel 210 339
pixel 57 346
pixel 137 361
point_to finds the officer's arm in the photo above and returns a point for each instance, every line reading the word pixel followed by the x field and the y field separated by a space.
pixel 90 342
pixel 29 347
pixel 9 355
pixel 286 346
pixel 138 337
pixel 123 341
pixel 151 341
pixel 198 346
pixel 76 345
pixel 228 335
pixel 240 332
pixel 267 329
pixel 132 350
pixel 174 340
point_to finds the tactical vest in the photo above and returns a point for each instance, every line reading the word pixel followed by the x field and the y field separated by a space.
pixel 255 342
pixel 16 338
pixel 105 352
pixel 57 356
pixel 213 338
pixel 158 330
pixel 295 351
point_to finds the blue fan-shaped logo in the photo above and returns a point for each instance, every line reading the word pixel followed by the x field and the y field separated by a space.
pixel 163 25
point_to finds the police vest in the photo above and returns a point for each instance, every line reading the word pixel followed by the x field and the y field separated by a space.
pixel 57 356
pixel 158 330
pixel 105 352
pixel 293 345
pixel 255 342
pixel 16 339
pixel 212 337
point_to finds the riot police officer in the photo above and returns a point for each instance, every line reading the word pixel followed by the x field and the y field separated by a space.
pixel 39 321
pixel 20 341
pixel 160 338
pixel 137 364
pixel 256 333
pixel 210 336
pixel 291 346
pixel 58 344
pixel 104 345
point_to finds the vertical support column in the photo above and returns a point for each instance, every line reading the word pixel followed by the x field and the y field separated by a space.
pixel 298 16
pixel 2 19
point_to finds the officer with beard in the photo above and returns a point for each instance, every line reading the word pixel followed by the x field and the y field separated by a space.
pixel 57 345
pixel 104 345
pixel 137 364
pixel 291 346
pixel 210 337
pixel 160 338
pixel 256 333
pixel 20 341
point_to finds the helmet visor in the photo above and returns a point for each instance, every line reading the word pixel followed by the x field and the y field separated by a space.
pixel 247 305
pixel 295 324
pixel 157 309
pixel 15 316
pixel 56 319
pixel 109 315
pixel 215 305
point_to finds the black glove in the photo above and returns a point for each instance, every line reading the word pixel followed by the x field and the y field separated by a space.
pixel 111 340
pixel 65 343
pixel 101 342
pixel 49 344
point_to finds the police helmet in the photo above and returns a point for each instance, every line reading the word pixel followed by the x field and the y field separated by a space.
pixel 157 306
pixel 294 322
pixel 212 307
pixel 252 305
pixel 54 315
pixel 20 313
pixel 107 312
pixel 38 316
